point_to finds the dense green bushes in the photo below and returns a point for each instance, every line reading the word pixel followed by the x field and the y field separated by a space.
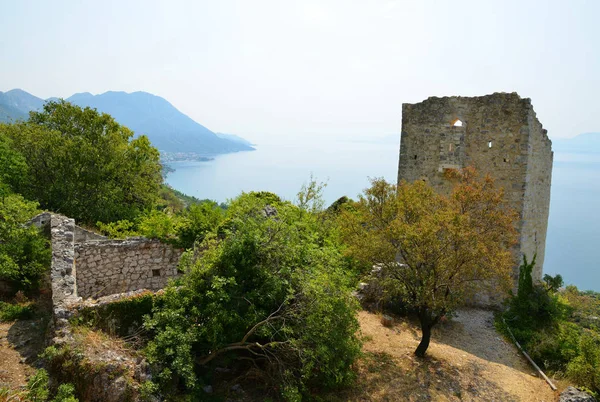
pixel 181 229
pixel 551 326
pixel 266 289
pixel 24 252
pixel 84 164
pixel 16 311
pixel 271 295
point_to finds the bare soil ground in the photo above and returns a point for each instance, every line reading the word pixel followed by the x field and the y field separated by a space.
pixel 20 343
pixel 467 360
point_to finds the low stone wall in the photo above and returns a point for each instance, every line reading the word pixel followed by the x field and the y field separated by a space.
pixel 86 264
pixel 106 267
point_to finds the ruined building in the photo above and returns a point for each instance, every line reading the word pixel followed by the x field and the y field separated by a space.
pixel 88 265
pixel 497 134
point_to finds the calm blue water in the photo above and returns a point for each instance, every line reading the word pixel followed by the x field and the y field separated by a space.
pixel 573 229
pixel 574 224
pixel 283 168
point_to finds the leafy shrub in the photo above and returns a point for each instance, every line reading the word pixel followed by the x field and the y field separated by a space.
pixel 37 386
pixel 17 311
pixel 182 229
pixel 118 230
pixel 197 221
pixel 272 292
pixel 534 308
pixel 553 328
pixel 65 393
pixel 13 166
pixel 158 225
pixel 338 204
pixel 584 369
pixel 24 251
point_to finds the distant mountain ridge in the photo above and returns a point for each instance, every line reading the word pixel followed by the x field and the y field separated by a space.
pixel 167 128
pixel 16 105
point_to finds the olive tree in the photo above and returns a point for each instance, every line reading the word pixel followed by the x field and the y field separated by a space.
pixel 433 250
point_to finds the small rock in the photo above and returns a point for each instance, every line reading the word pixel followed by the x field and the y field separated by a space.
pixel 237 388
pixel 208 389
pixel 572 394
pixel 387 321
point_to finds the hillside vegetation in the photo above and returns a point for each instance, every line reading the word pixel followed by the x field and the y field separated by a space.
pixel 559 327
pixel 265 299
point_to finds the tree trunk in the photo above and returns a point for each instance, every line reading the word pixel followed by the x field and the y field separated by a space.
pixel 426 324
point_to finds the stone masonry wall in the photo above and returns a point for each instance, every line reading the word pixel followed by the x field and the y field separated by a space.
pixel 501 136
pixel 62 270
pixel 106 267
pixel 536 207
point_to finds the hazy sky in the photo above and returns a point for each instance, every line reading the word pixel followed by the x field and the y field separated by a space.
pixel 310 68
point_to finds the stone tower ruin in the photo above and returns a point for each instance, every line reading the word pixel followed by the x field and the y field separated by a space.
pixel 497 134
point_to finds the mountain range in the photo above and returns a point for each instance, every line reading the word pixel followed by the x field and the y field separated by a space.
pixel 168 129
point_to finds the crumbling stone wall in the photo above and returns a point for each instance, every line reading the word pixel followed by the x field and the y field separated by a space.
pixel 106 267
pixel 62 271
pixel 103 267
pixel 499 135
pixel 86 264
pixel 63 284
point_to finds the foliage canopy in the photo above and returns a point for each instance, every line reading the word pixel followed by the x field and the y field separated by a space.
pixel 83 164
pixel 270 291
pixel 432 250
pixel 558 327
pixel 24 252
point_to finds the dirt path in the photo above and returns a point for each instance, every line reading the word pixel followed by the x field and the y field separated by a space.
pixel 467 361
pixel 20 343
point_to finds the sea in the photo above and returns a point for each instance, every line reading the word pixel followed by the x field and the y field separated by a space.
pixel 346 167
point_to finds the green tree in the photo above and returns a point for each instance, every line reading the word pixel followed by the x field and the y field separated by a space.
pixel 309 197
pixel 433 250
pixel 13 168
pixel 82 163
pixel 553 283
pixel 197 221
pixel 272 292
pixel 24 252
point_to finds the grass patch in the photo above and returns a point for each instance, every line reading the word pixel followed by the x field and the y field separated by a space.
pixel 96 342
